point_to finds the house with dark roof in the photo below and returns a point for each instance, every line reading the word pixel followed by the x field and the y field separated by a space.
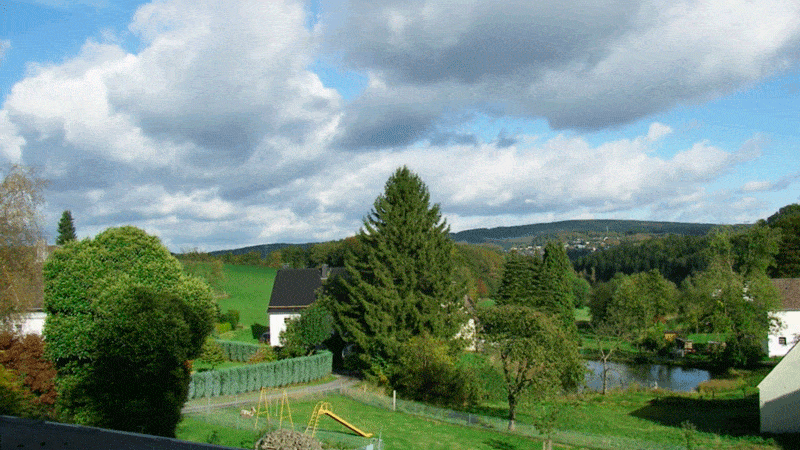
pixel 782 338
pixel 293 291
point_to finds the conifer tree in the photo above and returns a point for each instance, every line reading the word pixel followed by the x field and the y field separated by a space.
pixel 554 289
pixel 400 284
pixel 66 229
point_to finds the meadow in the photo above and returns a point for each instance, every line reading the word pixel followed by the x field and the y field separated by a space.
pixel 247 289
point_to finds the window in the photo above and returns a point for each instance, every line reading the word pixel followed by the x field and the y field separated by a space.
pixel 782 340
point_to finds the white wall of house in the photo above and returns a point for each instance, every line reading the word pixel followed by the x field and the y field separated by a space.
pixel 781 340
pixel 31 323
pixel 277 323
pixel 779 396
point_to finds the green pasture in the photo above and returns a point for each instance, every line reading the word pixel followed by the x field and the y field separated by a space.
pixel 248 290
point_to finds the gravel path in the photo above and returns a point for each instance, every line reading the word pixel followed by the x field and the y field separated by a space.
pixel 204 404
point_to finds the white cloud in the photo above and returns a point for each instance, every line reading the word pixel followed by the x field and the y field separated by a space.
pixel 216 134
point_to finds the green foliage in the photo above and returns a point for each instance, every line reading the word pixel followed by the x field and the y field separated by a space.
pixel 232 317
pixel 205 266
pixel 734 296
pixel 252 377
pixel 519 281
pixel 122 321
pixel 265 353
pixel 401 282
pixel 257 330
pixel 537 355
pixel 676 257
pixel 303 334
pixel 211 353
pixel 13 395
pixel 787 260
pixel 427 371
pixel 482 267
pixel 66 229
pixel 222 328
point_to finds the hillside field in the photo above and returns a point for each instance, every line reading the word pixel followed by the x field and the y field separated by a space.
pixel 248 290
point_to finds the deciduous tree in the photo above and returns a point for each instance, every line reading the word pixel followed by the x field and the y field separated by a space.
pixel 537 355
pixel 123 319
pixel 20 235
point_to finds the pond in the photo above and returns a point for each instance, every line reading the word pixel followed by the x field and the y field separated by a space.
pixel 673 378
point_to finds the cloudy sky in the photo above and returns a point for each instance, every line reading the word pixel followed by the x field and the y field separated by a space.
pixel 221 124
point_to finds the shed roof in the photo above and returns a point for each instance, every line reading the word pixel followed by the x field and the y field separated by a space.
pixel 789 291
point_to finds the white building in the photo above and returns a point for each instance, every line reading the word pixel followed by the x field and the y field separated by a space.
pixel 783 338
pixel 293 291
pixel 779 396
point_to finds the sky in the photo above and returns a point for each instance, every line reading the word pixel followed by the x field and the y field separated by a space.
pixel 223 124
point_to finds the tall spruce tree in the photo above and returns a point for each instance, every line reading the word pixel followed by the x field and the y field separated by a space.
pixel 400 284
pixel 554 289
pixel 66 229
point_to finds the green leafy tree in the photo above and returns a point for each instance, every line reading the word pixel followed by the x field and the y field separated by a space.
pixel 734 296
pixel 787 260
pixel 212 353
pixel 20 235
pixel 538 357
pixel 400 283
pixel 123 320
pixel 66 229
pixel 303 334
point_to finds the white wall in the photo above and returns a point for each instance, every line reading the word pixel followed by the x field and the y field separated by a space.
pixel 31 323
pixel 779 395
pixel 277 323
pixel 790 330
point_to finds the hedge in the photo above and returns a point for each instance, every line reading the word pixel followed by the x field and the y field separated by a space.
pixel 238 351
pixel 253 377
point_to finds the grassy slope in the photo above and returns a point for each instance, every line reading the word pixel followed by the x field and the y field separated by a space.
pixel 248 289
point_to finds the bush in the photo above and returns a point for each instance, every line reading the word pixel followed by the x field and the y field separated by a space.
pixel 427 372
pixel 13 395
pixel 264 354
pixel 223 327
pixel 257 330
pixel 25 355
pixel 212 353
pixel 231 317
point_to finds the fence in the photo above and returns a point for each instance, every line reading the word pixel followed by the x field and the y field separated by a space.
pixel 573 438
pixel 253 377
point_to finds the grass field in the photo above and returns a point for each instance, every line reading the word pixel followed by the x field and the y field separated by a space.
pixel 248 290
pixel 642 419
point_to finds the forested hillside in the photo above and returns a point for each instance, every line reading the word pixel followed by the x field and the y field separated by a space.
pixel 625 227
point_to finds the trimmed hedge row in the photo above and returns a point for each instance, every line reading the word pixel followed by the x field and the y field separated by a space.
pixel 236 380
pixel 238 351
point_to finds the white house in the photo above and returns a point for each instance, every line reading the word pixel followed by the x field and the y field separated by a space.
pixel 779 396
pixel 782 339
pixel 293 291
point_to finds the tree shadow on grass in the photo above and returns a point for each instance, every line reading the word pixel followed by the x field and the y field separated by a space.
pixel 731 417
pixel 500 445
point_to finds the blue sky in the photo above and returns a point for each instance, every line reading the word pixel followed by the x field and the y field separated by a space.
pixel 225 124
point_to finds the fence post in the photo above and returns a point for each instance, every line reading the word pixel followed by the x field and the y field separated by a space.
pixel 394 400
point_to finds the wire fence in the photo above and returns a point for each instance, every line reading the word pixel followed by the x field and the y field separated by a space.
pixel 572 438
pixel 232 418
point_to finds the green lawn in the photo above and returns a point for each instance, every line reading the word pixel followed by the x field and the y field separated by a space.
pixel 248 290
pixel 398 430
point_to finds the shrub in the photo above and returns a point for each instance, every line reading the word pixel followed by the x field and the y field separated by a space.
pixel 427 372
pixel 13 396
pixel 223 327
pixel 257 329
pixel 25 355
pixel 212 353
pixel 231 317
pixel 265 353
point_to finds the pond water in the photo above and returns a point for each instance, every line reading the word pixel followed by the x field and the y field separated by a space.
pixel 672 378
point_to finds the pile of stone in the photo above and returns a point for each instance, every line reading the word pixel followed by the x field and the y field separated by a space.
pixel 287 440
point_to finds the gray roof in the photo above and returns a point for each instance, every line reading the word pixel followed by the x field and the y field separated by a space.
pixel 296 289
